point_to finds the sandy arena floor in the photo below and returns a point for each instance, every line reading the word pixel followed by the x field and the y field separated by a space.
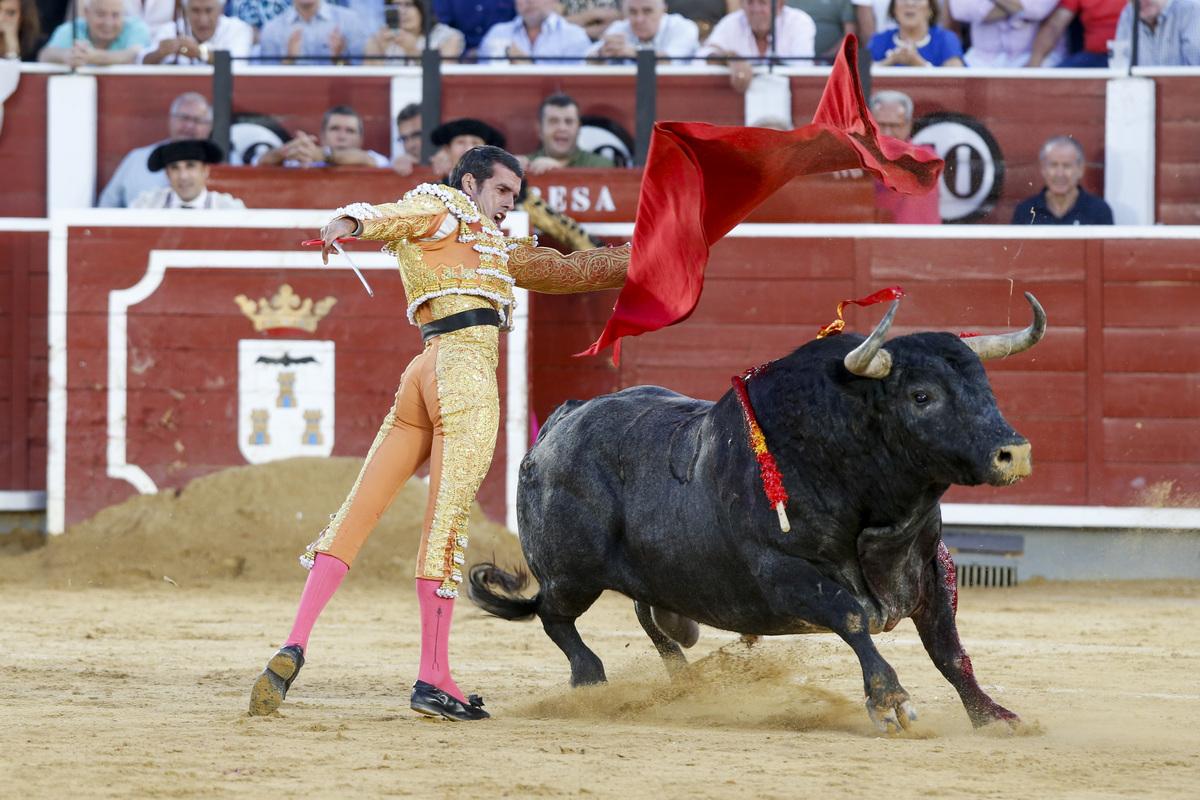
pixel 130 643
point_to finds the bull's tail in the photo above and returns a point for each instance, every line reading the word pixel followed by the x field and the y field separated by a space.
pixel 497 591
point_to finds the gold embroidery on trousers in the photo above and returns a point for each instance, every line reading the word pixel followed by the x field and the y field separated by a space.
pixel 470 409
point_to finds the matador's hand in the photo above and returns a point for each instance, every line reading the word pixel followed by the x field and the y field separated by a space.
pixel 340 228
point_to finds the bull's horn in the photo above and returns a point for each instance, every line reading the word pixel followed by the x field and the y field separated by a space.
pixel 1006 344
pixel 869 359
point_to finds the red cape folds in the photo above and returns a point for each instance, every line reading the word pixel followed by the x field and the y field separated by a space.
pixel 701 180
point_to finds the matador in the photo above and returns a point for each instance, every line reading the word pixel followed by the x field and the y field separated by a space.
pixel 458 272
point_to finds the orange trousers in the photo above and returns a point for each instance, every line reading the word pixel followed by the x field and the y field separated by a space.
pixel 447 412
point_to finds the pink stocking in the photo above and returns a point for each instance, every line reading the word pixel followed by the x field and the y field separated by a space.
pixel 435 637
pixel 323 580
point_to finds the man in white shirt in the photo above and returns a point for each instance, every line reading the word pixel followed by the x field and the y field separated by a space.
pixel 648 26
pixel 186 163
pixel 190 118
pixel 538 32
pixel 193 38
pixel 746 34
pixel 314 32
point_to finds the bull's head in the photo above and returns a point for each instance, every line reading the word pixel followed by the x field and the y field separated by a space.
pixel 1009 462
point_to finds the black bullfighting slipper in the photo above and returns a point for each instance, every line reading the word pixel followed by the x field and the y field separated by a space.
pixel 431 701
pixel 273 684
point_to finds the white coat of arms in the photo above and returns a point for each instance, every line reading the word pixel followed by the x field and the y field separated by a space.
pixel 285 386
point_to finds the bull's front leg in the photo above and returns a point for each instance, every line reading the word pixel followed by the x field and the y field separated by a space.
pixel 797 590
pixel 939 633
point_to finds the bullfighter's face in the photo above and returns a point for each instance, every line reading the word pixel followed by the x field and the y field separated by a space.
pixel 497 195
pixel 188 178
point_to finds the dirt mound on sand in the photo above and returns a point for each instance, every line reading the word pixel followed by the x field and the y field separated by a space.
pixel 249 523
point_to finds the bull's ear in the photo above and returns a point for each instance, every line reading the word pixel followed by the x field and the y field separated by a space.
pixel 869 359
pixel 1007 344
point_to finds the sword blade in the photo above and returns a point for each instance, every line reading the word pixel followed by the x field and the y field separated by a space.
pixel 353 266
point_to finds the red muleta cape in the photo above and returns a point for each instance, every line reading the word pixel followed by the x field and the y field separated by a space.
pixel 701 180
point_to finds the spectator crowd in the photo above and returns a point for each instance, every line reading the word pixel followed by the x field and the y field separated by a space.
pixel 739 33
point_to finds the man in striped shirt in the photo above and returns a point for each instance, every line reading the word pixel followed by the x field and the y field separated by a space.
pixel 1168 32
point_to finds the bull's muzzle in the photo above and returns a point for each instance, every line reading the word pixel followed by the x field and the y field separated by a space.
pixel 1011 463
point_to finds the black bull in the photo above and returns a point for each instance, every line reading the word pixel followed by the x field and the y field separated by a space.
pixel 659 496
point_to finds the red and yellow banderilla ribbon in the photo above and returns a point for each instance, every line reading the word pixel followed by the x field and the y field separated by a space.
pixel 882 296
pixel 772 480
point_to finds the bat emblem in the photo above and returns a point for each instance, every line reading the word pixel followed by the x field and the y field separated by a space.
pixel 287 360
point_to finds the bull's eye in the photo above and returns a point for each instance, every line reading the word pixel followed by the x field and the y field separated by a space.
pixel 920 398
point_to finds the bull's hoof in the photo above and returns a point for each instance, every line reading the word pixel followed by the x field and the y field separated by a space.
pixel 892 720
pixel 990 712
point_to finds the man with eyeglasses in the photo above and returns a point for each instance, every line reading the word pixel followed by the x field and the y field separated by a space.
pixel 190 118
pixel 408 135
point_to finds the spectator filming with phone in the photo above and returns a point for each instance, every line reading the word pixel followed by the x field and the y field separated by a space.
pixel 402 37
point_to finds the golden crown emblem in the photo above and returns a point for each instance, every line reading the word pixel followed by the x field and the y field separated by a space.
pixel 285 310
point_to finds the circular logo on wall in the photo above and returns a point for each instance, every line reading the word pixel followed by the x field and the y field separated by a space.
pixel 974 176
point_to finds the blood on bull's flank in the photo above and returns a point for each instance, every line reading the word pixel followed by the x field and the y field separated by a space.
pixel 660 497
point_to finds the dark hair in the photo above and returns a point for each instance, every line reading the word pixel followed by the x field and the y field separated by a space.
pixel 480 163
pixel 408 112
pixel 934 10
pixel 423 8
pixel 345 111
pixel 29 30
pixel 557 99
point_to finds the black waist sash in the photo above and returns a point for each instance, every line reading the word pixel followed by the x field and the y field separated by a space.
pixel 463 319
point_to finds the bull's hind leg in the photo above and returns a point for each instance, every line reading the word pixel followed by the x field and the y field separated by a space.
pixel 666 646
pixel 558 620
pixel 939 633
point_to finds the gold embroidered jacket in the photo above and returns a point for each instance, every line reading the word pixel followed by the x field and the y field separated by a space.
pixel 445 247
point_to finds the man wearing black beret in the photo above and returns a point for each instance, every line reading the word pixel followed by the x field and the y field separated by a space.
pixel 186 162
pixel 456 137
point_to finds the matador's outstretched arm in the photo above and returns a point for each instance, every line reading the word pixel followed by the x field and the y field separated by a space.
pixel 388 222
pixel 543 269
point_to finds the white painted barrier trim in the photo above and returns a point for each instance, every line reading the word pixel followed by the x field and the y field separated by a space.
pixel 1129 150
pixel 30 224
pixel 516 426
pixel 22 501
pixel 56 394
pixel 810 230
pixel 555 70
pixel 1094 517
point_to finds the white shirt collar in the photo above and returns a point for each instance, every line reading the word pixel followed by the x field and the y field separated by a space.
pixel 200 201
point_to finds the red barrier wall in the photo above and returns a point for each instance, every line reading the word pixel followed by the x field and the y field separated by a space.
pixel 23 149
pixel 183 371
pixel 1177 104
pixel 23 364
